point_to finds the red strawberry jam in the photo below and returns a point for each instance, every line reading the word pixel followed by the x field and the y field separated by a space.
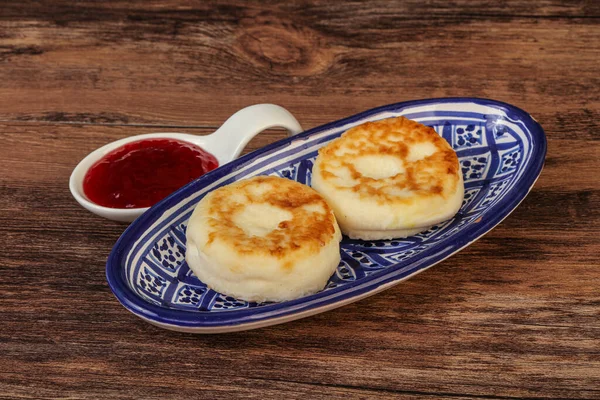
pixel 139 174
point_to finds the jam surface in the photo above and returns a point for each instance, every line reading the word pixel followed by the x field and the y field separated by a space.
pixel 139 174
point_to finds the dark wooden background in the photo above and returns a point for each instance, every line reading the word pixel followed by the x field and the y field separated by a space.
pixel 515 315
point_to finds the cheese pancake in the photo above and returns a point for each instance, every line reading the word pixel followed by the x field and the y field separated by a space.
pixel 389 179
pixel 263 239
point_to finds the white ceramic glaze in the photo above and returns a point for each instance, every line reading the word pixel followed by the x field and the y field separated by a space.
pixel 226 144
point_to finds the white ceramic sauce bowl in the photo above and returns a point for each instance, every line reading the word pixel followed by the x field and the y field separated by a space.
pixel 226 144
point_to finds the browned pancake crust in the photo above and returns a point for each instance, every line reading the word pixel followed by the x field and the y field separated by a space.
pixel 306 230
pixel 435 175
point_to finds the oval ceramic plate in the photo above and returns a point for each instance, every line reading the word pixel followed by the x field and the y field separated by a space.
pixel 501 151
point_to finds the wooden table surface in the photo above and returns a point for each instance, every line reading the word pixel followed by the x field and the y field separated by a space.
pixel 515 315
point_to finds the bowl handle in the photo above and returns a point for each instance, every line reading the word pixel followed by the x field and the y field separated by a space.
pixel 231 138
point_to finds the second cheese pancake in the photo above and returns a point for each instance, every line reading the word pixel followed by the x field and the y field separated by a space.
pixel 263 239
pixel 389 179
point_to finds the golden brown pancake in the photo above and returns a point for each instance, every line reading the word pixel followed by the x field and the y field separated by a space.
pixel 388 179
pixel 263 239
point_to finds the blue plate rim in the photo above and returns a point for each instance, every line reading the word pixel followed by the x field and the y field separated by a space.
pixel 192 319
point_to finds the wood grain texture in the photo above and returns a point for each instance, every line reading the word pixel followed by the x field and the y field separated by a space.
pixel 515 315
pixel 196 64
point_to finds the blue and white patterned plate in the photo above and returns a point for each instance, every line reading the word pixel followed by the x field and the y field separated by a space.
pixel 501 151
